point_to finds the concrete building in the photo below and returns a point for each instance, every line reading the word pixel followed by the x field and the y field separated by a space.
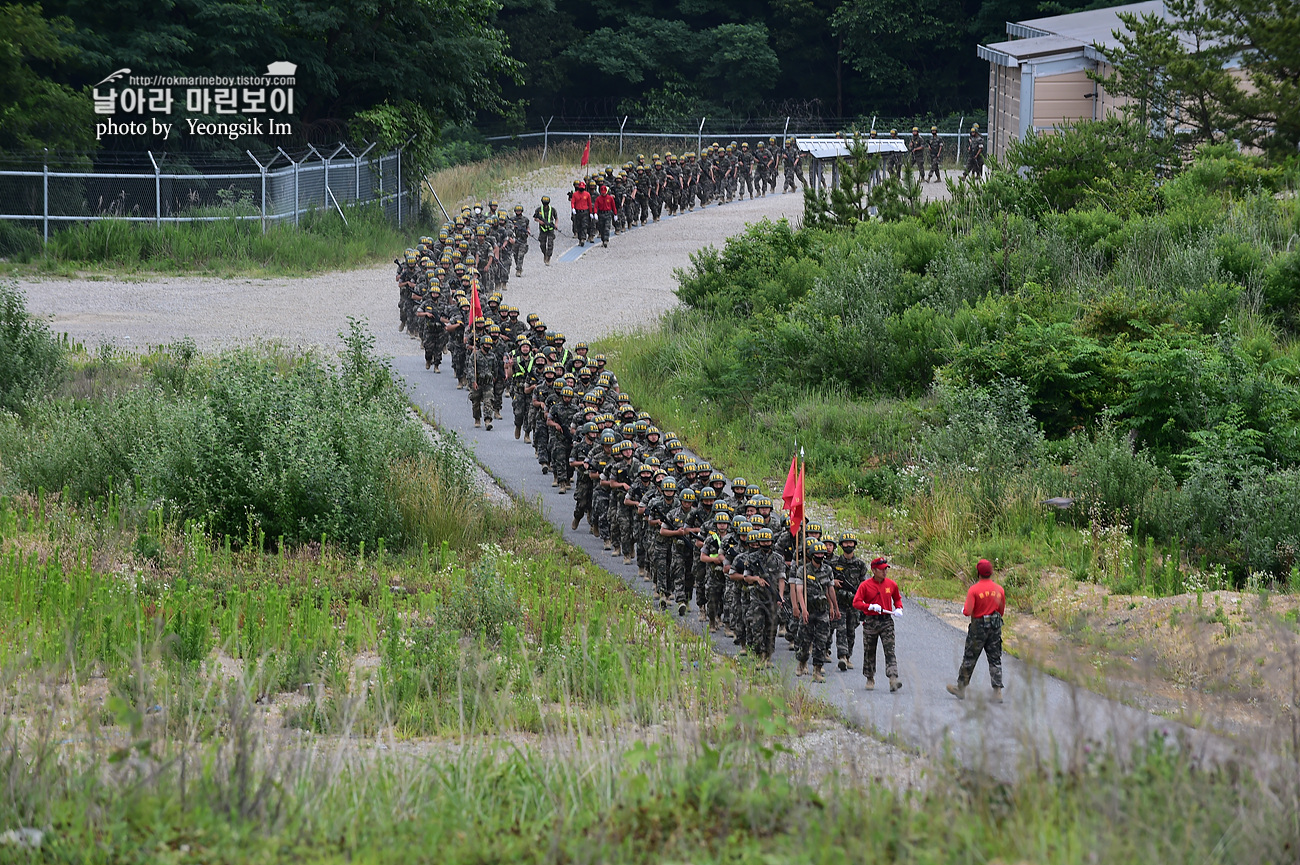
pixel 1039 78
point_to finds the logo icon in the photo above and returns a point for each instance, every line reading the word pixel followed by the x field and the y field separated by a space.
pixel 279 68
pixel 118 74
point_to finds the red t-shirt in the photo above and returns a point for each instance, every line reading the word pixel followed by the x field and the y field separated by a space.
pixel 884 593
pixel 581 200
pixel 605 202
pixel 983 598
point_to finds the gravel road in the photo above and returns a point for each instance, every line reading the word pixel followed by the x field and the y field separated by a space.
pixel 588 293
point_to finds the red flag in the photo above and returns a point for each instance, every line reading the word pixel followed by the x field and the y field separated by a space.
pixel 796 504
pixel 787 494
pixel 586 152
pixel 475 311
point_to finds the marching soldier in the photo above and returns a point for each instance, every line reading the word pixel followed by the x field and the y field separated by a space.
pixel 936 154
pixel 547 219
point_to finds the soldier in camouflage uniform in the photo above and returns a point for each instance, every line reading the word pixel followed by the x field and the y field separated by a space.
pixel 764 574
pixel 659 519
pixel 711 556
pixel 974 153
pixel 848 571
pixel 935 148
pixel 560 421
pixel 521 229
pixel 619 477
pixel 814 603
pixel 916 147
pixel 583 449
pixel 519 371
pixel 481 372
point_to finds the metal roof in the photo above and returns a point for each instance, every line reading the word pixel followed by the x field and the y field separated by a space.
pixel 1016 51
pixel 831 148
pixel 1093 27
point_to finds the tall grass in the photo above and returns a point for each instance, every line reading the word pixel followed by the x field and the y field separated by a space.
pixel 321 241
pixel 479 181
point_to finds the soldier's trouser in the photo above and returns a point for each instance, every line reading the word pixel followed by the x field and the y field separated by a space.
pixel 541 437
pixel 606 225
pixel 519 404
pixel 731 604
pixel 642 212
pixel 789 178
pixel 918 163
pixel 882 628
pixel 701 578
pixel 521 249
pixel 600 499
pixel 546 243
pixel 560 456
pixel 656 206
pixel 659 556
pixel 846 627
pixel 982 635
pixel 746 183
pixel 639 539
pixel 476 404
pixel 934 169
pixel 498 394
pixel 798 172
pixel 814 641
pixel 683 573
pixel 458 358
pixel 582 495
pixel 760 626
pixel 580 225
pixel 432 344
pixel 715 588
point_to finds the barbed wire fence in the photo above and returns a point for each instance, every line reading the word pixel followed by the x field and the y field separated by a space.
pixel 628 131
pixel 47 191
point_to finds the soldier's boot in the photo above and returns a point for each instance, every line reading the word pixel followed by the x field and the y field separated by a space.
pixel 555 480
pixel 576 520
pixel 519 271
pixel 591 524
pixel 803 669
pixel 997 695
pixel 528 439
pixel 958 691
pixel 870 686
pixel 477 424
pixel 844 664
pixel 547 261
pixel 681 608
pixel 496 414
pixel 627 560
pixel 818 675
pixel 487 424
pixel 894 684
pixel 608 546
pixel 435 368
pixel 428 363
pixel 518 429
pixel 460 384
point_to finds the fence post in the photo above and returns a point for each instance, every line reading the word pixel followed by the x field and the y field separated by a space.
pixel 45 194
pixel 359 156
pixel 261 168
pixel 399 187
pixel 699 137
pixel 960 124
pixel 157 192
pixel 620 137
pixel 295 183
pixel 325 193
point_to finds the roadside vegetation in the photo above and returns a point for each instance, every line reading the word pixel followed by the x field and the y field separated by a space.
pixel 1085 324
pixel 344 671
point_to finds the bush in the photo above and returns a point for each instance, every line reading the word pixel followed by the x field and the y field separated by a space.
pixel 31 359
pixel 1116 483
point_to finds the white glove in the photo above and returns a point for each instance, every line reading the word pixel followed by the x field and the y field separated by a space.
pixel 873 608
pixel 897 614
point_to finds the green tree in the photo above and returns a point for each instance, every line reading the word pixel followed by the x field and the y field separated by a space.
pixel 36 110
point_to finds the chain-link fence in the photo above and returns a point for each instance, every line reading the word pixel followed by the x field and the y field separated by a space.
pixel 632 134
pixel 278 190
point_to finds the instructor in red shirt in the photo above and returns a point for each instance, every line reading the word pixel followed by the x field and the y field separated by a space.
pixel 880 603
pixel 986 601
pixel 606 210
pixel 580 201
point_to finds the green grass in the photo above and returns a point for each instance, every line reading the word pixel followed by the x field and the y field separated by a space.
pixel 321 242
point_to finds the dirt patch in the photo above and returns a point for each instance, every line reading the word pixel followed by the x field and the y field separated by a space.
pixel 1224 661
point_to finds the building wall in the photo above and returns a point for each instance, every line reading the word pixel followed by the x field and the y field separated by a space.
pixel 1061 98
pixel 1004 107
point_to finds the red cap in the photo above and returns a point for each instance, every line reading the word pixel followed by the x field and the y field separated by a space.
pixel 984 568
pixel 879 563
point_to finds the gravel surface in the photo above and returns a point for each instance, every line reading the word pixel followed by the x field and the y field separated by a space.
pixel 589 293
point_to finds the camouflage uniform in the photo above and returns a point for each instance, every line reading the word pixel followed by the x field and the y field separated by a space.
pixel 850 573
pixel 982 635
pixel 878 628
pixel 936 154
pixel 760 613
pixel 815 634
pixel 481 374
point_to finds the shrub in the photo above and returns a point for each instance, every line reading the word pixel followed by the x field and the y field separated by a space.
pixel 31 359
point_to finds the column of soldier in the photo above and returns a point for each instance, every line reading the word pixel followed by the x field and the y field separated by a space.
pixel 608 203
pixel 699 537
